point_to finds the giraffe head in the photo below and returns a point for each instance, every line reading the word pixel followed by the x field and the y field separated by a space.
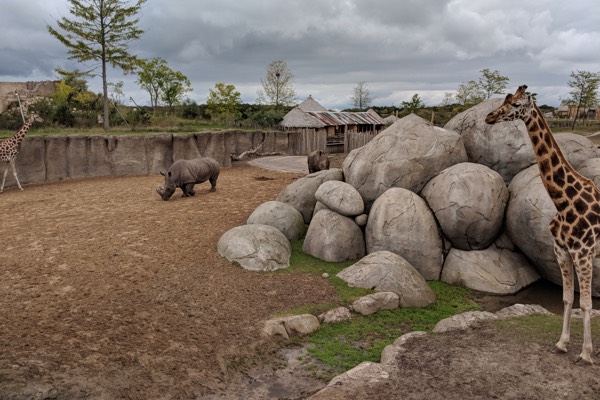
pixel 515 106
pixel 34 117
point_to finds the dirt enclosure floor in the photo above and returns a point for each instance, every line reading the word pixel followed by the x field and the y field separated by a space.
pixel 107 292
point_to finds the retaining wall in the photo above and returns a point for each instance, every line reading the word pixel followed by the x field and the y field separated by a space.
pixel 54 158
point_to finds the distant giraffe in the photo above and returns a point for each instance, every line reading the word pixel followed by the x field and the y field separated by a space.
pixel 576 225
pixel 9 148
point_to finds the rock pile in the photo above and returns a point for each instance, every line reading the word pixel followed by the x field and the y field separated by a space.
pixel 463 204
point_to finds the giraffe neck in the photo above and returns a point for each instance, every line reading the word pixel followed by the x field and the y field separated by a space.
pixel 554 168
pixel 18 137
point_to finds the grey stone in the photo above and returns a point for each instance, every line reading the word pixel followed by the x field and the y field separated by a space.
pixel 335 315
pixel 469 202
pixel 384 271
pixel 361 220
pixel 401 222
pixel 256 247
pixel 591 169
pixel 493 270
pixel 281 216
pixel 576 148
pixel 333 237
pixel 340 197
pixel 504 147
pixel 372 303
pixel 461 322
pixel 407 154
pixel 301 193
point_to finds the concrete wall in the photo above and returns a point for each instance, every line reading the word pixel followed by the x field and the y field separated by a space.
pixel 54 158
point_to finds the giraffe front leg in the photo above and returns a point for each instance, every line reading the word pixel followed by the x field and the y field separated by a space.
pixel 566 269
pixel 14 168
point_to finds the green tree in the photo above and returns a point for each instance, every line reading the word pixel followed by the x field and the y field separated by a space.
pixel 101 31
pixel 491 83
pixel 361 97
pixel 161 82
pixel 414 104
pixel 278 89
pixel 469 93
pixel 585 91
pixel 223 101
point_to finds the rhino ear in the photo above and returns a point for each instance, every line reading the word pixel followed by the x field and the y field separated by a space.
pixel 169 173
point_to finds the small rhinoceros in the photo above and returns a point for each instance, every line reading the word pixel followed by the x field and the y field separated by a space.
pixel 185 174
pixel 317 161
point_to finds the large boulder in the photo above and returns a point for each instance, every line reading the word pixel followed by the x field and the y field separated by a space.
pixel 591 170
pixel 256 247
pixel 468 201
pixel 504 147
pixel 384 271
pixel 334 237
pixel 301 193
pixel 340 197
pixel 281 216
pixel 577 148
pixel 401 222
pixel 497 269
pixel 528 215
pixel 405 155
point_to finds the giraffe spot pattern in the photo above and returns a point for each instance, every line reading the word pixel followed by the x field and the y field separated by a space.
pixel 580 206
pixel 554 160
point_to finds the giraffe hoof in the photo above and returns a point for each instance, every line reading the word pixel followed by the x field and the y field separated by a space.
pixel 584 360
pixel 559 350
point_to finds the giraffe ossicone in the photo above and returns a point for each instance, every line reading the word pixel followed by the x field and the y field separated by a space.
pixel 576 225
pixel 9 148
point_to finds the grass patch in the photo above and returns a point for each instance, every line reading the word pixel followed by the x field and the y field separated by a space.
pixel 344 345
pixel 341 346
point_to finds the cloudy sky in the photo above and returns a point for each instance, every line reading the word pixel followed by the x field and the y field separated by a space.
pixel 398 47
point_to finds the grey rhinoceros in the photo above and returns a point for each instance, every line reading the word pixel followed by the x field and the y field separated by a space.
pixel 317 161
pixel 184 174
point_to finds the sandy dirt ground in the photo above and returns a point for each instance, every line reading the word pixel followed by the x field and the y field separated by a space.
pixel 107 292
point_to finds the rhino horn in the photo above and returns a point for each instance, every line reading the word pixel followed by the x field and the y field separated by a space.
pixel 160 190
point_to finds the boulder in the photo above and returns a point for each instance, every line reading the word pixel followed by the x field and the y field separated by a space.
pixel 495 270
pixel 372 303
pixel 384 271
pixel 406 155
pixel 335 315
pixel 591 169
pixel 333 237
pixel 504 147
pixel 340 197
pixel 301 193
pixel 468 201
pixel 256 247
pixel 528 213
pixel 281 216
pixel 401 222
pixel 295 325
pixel 578 149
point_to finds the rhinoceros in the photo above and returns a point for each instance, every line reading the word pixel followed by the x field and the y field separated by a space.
pixel 317 161
pixel 185 174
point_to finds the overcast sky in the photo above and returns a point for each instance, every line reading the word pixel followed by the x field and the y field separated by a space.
pixel 398 47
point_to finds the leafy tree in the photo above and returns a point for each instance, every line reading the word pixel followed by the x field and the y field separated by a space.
pixel 161 82
pixel 277 84
pixel 116 91
pixel 469 93
pixel 361 98
pixel 585 91
pixel 414 104
pixel 223 101
pixel 174 85
pixel 101 31
pixel 491 82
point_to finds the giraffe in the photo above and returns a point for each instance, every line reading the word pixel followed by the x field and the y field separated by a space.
pixel 9 148
pixel 576 225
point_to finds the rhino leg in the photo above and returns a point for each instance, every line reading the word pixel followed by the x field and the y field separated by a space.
pixel 213 183
pixel 188 189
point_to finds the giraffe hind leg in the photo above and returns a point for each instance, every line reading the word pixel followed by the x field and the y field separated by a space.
pixel 566 269
pixel 584 267
pixel 4 178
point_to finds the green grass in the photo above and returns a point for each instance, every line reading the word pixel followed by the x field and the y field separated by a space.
pixel 341 346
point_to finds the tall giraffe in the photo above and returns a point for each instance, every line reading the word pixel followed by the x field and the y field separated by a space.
pixel 576 225
pixel 9 148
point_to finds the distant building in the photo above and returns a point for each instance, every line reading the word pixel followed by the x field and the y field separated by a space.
pixel 29 92
pixel 565 111
pixel 311 117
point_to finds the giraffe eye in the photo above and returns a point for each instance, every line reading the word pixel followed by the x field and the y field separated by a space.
pixel 516 104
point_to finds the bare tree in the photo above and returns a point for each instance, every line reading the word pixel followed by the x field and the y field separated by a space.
pixel 361 98
pixel 278 89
